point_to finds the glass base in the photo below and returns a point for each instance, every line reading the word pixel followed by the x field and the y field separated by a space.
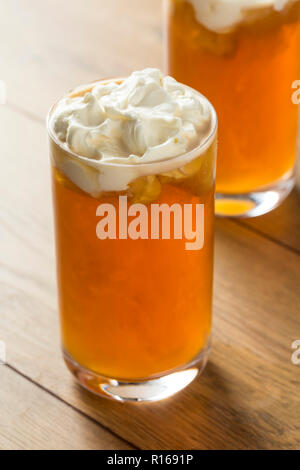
pixel 254 203
pixel 151 389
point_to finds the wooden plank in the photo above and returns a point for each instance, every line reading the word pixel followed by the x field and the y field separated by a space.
pixel 248 396
pixel 31 419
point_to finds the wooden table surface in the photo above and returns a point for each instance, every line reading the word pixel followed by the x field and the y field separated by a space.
pixel 248 396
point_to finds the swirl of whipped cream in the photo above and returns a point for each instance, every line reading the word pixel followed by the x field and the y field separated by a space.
pixel 145 118
pixel 222 16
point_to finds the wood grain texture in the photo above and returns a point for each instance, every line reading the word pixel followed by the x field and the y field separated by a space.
pixel 59 45
pixel 248 396
pixel 34 420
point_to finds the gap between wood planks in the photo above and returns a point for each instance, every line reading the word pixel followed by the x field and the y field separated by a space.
pixel 61 400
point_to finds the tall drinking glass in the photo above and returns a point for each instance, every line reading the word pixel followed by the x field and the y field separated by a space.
pixel 135 304
pixel 244 56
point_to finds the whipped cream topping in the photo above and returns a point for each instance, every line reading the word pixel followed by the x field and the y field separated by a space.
pixel 145 118
pixel 222 16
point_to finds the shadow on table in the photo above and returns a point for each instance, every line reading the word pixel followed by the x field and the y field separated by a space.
pixel 207 415
pixel 282 224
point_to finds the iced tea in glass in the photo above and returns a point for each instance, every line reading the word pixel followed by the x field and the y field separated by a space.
pixel 244 56
pixel 135 295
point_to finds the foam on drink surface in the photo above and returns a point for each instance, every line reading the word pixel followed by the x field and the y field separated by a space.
pixel 222 16
pixel 115 128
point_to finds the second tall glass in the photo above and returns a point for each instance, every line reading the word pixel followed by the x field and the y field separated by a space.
pixel 244 56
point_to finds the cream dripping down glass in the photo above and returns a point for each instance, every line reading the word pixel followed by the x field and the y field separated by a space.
pixel 133 163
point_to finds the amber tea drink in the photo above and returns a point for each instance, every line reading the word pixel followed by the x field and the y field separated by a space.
pixel 244 56
pixel 133 164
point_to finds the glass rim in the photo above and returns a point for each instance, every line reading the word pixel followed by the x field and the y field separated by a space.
pixel 187 156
